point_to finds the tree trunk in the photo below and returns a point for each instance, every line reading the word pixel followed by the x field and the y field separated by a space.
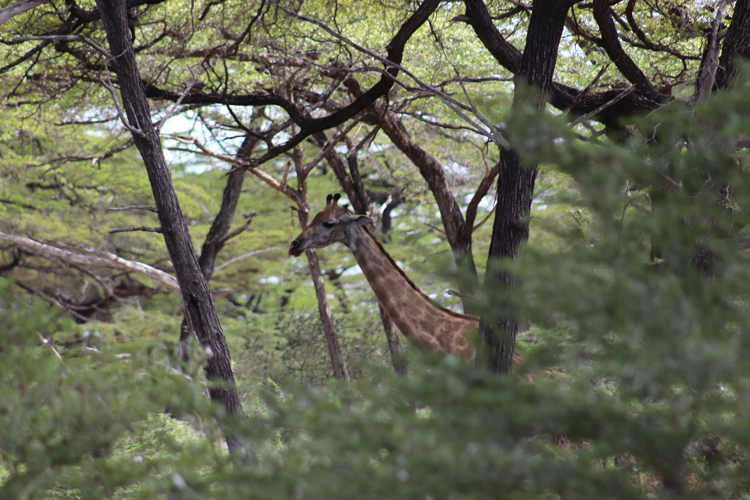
pixel 450 213
pixel 515 188
pixel 216 235
pixel 197 298
pixel 338 363
pixel 395 347
pixel 736 45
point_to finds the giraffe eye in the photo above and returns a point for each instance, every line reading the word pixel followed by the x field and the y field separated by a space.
pixel 329 224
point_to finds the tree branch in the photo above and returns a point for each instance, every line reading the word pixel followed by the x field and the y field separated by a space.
pixel 615 51
pixel 103 259
pixel 18 8
pixel 132 207
pixel 245 256
pixel 136 228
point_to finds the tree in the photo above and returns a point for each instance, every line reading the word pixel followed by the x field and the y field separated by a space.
pixel 636 300
pixel 287 73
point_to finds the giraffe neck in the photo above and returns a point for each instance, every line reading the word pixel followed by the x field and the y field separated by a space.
pixel 411 310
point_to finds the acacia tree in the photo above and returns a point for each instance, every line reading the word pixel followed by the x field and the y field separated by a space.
pixel 307 75
pixel 199 305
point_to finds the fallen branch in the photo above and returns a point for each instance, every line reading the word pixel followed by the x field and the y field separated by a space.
pixel 104 259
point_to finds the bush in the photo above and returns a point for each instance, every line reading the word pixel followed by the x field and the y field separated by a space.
pixel 639 361
pixel 61 418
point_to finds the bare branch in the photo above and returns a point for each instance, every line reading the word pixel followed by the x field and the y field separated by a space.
pixel 493 131
pixel 432 226
pixel 103 259
pixel 241 257
pixel 132 207
pixel 173 109
pixel 239 164
pixel 65 38
pixel 136 228
pixel 620 96
pixel 481 223
pixel 18 8
pixel 210 217
pixel 335 139
pixel 47 343
pixel 133 130
pixel 471 211
pixel 588 87
pixel 710 62
pixel 626 65
pixel 241 229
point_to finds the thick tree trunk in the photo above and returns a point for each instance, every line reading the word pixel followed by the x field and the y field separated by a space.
pixel 736 45
pixel 498 328
pixel 515 187
pixel 216 235
pixel 197 298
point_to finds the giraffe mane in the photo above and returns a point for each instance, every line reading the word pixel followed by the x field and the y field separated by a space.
pixel 432 301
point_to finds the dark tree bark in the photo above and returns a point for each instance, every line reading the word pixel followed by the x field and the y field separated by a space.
pixel 195 293
pixel 432 172
pixel 216 237
pixel 515 186
pixel 353 188
pixel 559 95
pixel 736 44
pixel 622 60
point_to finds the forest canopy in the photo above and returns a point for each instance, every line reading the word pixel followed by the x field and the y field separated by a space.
pixel 570 173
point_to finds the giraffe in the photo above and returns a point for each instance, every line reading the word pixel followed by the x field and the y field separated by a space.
pixel 416 315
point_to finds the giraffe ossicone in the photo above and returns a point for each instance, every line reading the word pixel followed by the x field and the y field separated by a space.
pixel 415 315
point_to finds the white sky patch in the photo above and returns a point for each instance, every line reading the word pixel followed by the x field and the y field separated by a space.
pixel 352 271
pixel 486 204
pixel 273 280
pixel 220 141
pixel 457 169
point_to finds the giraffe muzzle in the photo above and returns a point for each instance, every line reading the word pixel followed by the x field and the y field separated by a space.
pixel 294 248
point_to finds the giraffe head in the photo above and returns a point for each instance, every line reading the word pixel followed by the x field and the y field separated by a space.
pixel 333 224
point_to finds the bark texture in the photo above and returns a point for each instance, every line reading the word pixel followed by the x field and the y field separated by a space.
pixel 197 298
pixel 558 95
pixel 611 40
pixel 737 44
pixel 515 187
pixel 218 232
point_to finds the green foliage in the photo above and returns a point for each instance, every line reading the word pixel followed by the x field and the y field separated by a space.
pixel 635 284
pixel 83 425
pixel 634 385
pixel 289 346
pixel 639 361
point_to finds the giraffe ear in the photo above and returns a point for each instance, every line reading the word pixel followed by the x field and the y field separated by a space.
pixel 356 220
